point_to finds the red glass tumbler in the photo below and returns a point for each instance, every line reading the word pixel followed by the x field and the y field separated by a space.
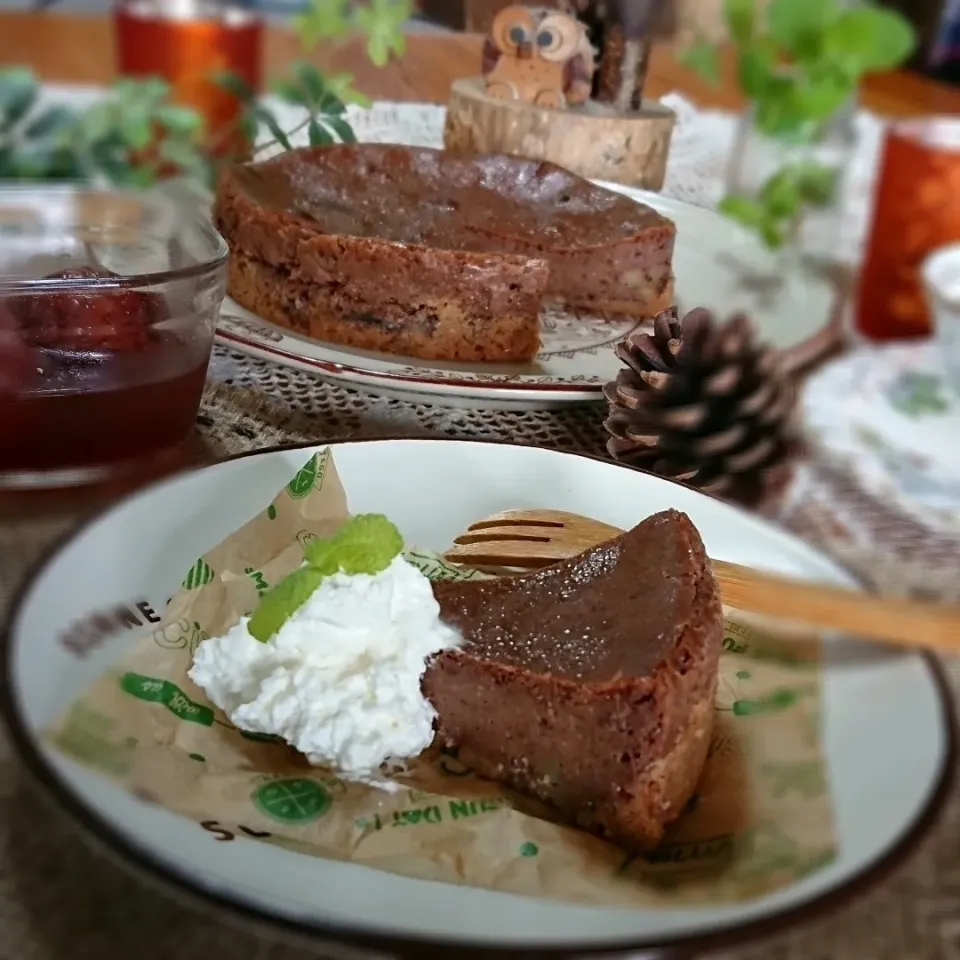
pixel 187 43
pixel 916 210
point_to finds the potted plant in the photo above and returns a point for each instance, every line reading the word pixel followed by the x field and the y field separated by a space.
pixel 799 65
pixel 136 134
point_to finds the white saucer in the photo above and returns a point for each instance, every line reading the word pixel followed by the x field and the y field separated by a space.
pixel 886 730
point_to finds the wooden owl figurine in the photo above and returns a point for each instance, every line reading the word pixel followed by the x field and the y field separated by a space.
pixel 538 55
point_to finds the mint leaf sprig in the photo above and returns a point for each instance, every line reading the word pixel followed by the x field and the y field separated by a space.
pixel 367 543
pixel 798 64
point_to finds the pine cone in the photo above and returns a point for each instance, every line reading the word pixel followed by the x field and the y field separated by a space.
pixel 701 402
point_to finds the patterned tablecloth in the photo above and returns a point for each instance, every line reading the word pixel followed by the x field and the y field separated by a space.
pixel 59 900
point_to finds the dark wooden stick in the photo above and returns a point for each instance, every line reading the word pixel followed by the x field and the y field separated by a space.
pixel 627 30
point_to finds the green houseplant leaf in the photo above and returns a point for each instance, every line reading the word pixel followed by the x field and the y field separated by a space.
pixel 821 92
pixel 178 120
pixel 318 134
pixel 322 20
pixel 745 210
pixel 264 116
pixel 342 129
pixel 866 39
pixel 137 133
pixel 18 93
pixel 381 21
pixel 740 17
pixel 797 26
pixel 757 70
pixel 701 57
pixel 341 86
pixel 52 123
pixel 235 84
pixel 798 63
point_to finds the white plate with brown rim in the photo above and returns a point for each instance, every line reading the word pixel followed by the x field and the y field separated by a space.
pixel 717 265
pixel 886 729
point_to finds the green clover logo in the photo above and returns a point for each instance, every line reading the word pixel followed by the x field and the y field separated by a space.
pixel 296 800
pixel 310 475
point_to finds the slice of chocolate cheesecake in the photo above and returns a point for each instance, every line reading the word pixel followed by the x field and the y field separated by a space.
pixel 589 684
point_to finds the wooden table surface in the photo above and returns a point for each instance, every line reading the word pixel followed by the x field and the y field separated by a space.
pixel 79 49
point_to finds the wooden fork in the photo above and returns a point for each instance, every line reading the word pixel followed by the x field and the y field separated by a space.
pixel 536 538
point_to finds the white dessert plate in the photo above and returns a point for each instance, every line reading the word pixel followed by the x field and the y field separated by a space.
pixel 716 265
pixel 887 730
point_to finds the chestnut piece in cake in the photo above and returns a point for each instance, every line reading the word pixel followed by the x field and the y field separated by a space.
pixel 590 683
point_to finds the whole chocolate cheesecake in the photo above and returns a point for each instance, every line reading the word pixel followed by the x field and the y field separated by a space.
pixel 432 254
pixel 589 684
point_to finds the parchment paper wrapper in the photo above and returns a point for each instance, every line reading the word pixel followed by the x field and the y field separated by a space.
pixel 760 819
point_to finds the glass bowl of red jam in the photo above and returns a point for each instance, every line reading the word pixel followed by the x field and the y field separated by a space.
pixel 108 307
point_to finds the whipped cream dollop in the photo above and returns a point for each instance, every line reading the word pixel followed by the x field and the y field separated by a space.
pixel 340 680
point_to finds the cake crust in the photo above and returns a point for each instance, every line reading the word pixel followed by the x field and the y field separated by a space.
pixel 391 248
pixel 435 325
pixel 589 684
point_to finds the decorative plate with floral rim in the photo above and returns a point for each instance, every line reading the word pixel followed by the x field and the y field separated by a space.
pixel 716 266
pixel 887 417
pixel 575 360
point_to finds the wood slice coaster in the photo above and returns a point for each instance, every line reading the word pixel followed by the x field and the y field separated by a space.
pixel 592 141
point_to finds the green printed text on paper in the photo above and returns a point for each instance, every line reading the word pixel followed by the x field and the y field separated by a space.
pixel 169 695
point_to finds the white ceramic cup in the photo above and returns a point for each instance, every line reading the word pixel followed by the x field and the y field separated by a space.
pixel 941 282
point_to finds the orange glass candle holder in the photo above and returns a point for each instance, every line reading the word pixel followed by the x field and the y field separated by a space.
pixel 188 43
pixel 916 210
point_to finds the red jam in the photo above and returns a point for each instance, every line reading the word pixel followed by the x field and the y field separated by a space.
pixel 91 378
